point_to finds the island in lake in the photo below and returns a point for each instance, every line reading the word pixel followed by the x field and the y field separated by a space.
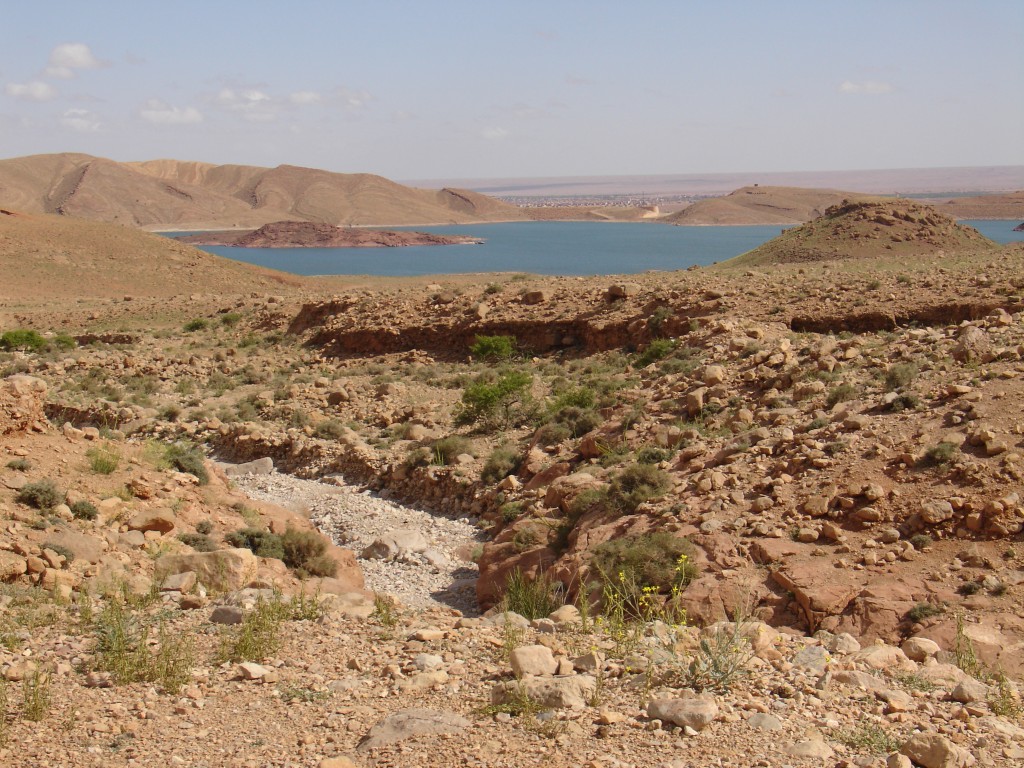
pixel 308 234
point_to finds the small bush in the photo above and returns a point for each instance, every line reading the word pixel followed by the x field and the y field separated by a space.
pixel 900 375
pixel 922 611
pixel 657 319
pixel 198 324
pixel 19 465
pixel 258 636
pixel 658 560
pixel 103 460
pixel 188 459
pixel 502 462
pixel 840 394
pixel 123 649
pixel 651 454
pixel 486 401
pixel 920 541
pixel 84 510
pixel 35 696
pixel 200 542
pixel 41 495
pixel 636 484
pixel 869 737
pixel 330 429
pixel 494 348
pixel 941 454
pixel 305 552
pixel 261 543
pixel 446 449
pixel 25 340
pixel 230 319
pixel 204 527
pixel 656 350
pixel 579 421
pixel 530 598
pixel 552 434
pixel 580 397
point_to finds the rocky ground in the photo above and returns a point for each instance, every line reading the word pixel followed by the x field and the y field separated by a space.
pixel 800 483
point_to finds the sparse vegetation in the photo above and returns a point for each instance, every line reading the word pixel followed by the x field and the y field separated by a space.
pixel 103 460
pixel 42 494
pixel 494 348
pixel 532 598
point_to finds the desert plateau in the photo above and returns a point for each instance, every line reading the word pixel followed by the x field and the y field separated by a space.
pixel 770 507
pixel 708 454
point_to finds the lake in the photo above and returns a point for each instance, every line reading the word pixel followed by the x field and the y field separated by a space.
pixel 543 248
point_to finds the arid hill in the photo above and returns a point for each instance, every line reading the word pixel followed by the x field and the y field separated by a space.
pixel 761 205
pixel 53 257
pixel 1006 206
pixel 307 234
pixel 864 229
pixel 184 195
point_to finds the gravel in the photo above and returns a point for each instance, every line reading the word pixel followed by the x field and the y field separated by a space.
pixel 354 518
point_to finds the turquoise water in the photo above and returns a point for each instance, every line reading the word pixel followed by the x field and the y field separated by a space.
pixel 544 248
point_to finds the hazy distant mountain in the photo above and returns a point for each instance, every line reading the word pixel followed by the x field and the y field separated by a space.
pixel 191 195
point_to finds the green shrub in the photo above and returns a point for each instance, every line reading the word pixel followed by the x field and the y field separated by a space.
pixel 198 324
pixel 940 454
pixel 188 459
pixel 63 342
pixel 658 560
pixel 484 401
pixel 200 542
pixel 656 350
pixel 922 611
pixel 445 450
pixel 636 484
pixel 531 598
pixel 261 543
pixel 330 429
pixel 204 527
pixel 84 510
pixel 41 495
pixel 25 340
pixel 579 397
pixel 20 465
pixel 840 394
pixel 230 319
pixel 651 454
pixel 494 348
pixel 259 634
pixel 552 434
pixel 305 552
pixel 657 318
pixel 900 375
pixel 579 421
pixel 502 462
pixel 103 460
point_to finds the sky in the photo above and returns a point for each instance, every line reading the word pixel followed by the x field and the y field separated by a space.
pixel 434 89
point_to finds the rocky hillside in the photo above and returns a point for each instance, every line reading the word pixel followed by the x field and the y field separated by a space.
pixel 760 205
pixel 306 234
pixel 46 256
pixel 1004 206
pixel 180 195
pixel 752 514
pixel 862 230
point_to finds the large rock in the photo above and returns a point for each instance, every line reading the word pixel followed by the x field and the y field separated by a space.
pixel 695 711
pixel 262 466
pixel 161 520
pixel 568 692
pixel 21 404
pixel 396 544
pixel 532 660
pixel 224 570
pixel 85 548
pixel 930 750
pixel 407 723
pixel 12 566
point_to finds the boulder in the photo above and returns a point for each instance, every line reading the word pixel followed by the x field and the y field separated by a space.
pixel 396 544
pixel 695 711
pixel 568 692
pixel 532 660
pixel 161 520
pixel 225 570
pixel 930 750
pixel 407 723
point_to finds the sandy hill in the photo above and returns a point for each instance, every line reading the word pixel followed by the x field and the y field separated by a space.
pixel 55 257
pixel 869 228
pixel 185 195
pixel 1005 206
pixel 761 205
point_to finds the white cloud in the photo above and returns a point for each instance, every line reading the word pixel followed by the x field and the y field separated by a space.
pixel 305 97
pixel 67 57
pixel 867 86
pixel 353 99
pixel 156 111
pixel 81 120
pixel 37 90
pixel 251 103
pixel 494 134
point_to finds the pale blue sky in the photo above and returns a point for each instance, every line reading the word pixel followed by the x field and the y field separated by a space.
pixel 504 89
